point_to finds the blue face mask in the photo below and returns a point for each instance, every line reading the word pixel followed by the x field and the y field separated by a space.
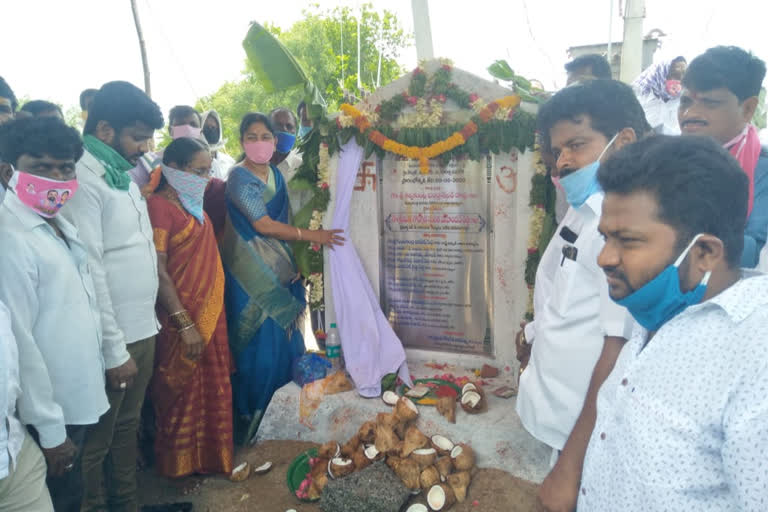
pixel 285 142
pixel 581 184
pixel 660 299
pixel 304 131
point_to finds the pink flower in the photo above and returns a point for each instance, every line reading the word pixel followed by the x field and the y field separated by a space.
pixel 315 247
pixel 473 97
pixel 412 100
pixel 446 67
pixel 441 98
pixel 324 186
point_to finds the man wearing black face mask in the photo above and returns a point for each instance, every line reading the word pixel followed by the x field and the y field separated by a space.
pixel 213 132
pixel 683 417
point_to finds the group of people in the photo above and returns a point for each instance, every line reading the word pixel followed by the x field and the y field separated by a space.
pixel 645 367
pixel 166 275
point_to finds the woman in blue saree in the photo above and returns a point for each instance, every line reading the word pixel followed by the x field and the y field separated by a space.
pixel 265 298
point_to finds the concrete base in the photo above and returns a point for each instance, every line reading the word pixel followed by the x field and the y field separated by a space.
pixel 497 436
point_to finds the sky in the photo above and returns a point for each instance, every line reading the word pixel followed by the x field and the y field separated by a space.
pixel 54 49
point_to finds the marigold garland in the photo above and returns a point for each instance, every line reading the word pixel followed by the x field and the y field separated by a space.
pixel 424 154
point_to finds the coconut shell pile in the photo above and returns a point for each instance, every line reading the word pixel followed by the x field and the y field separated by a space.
pixel 435 466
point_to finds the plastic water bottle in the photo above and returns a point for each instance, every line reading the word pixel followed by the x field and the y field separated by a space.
pixel 333 349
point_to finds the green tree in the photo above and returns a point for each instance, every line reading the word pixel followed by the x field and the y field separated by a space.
pixel 315 42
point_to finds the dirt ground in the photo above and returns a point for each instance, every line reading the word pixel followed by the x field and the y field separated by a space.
pixel 491 490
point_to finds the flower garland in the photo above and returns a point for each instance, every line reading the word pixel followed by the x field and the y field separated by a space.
pixel 542 224
pixel 424 154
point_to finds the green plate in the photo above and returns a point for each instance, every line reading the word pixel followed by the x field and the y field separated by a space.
pixel 298 470
pixel 431 397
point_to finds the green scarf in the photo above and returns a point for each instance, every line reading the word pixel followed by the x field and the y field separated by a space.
pixel 116 166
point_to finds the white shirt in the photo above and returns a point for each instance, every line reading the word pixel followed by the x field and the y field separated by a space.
pixel 55 320
pixel 682 424
pixel 289 167
pixel 222 165
pixel 115 227
pixel 11 430
pixel 573 314
pixel 762 265
pixel 661 115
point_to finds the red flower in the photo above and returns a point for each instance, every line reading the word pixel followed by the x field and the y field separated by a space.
pixel 532 250
pixel 473 97
pixel 446 67
pixel 377 109
pixel 315 247
pixel 324 186
pixel 441 98
pixel 405 94
pixel 417 71
pixel 412 100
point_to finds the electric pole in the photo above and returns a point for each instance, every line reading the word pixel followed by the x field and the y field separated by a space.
pixel 142 47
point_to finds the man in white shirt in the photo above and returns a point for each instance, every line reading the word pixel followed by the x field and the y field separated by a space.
pixel 112 218
pixel 575 323
pixel 213 131
pixel 682 420
pixel 54 313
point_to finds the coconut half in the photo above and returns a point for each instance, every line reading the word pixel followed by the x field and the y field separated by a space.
pixel 417 507
pixel 469 386
pixel 459 483
pixel 241 472
pixel 329 450
pixel 263 469
pixel 413 440
pixel 442 444
pixel 424 456
pixel 440 497
pixel 463 457
pixel 405 410
pixel 341 467
pixel 418 391
pixel 371 452
pixel 429 477
pixel 471 399
pixel 390 398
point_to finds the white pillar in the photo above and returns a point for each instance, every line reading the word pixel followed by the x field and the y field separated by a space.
pixel 632 48
pixel 422 30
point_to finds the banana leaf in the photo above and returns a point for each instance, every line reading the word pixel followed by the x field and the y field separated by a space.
pixel 501 70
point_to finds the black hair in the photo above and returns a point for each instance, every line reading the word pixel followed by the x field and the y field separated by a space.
pixel 726 66
pixel 302 106
pixel 37 107
pixel 678 59
pixel 7 92
pixel 39 136
pixel 253 118
pixel 122 104
pixel 182 111
pixel 611 106
pixel 284 109
pixel 85 95
pixel 698 186
pixel 597 63
pixel 183 150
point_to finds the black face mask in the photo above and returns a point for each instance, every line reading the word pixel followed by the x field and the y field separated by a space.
pixel 211 134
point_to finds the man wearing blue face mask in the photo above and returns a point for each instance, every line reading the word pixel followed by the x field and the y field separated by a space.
pixel 577 328
pixel 682 420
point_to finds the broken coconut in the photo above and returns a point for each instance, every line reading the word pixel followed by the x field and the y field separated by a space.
pixel 463 457
pixel 406 410
pixel 409 472
pixel 263 469
pixel 440 497
pixel 367 432
pixel 444 466
pixel 240 473
pixel 473 399
pixel 393 461
pixel 372 453
pixel 341 467
pixel 469 386
pixel 329 450
pixel 424 456
pixel 397 449
pixel 386 439
pixel 429 476
pixel 418 391
pixel 389 419
pixel 320 481
pixel 417 507
pixel 390 398
pixel 446 406
pixel 441 444
pixel 359 459
pixel 459 483
pixel 413 440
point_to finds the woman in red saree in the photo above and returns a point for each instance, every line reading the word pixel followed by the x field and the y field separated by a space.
pixel 190 389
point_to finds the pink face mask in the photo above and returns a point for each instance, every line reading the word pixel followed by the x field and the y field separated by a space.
pixel 260 151
pixel 185 130
pixel 674 88
pixel 45 196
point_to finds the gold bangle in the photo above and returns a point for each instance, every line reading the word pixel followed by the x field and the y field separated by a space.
pixel 186 328
pixel 181 319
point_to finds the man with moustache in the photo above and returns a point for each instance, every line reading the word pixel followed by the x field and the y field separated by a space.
pixel 113 222
pixel 721 91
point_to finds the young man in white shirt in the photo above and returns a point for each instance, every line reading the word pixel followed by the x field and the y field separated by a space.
pixel 47 281
pixel 113 221
pixel 576 324
pixel 682 420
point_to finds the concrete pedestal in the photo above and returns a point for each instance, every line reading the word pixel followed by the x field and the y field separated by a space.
pixel 497 436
